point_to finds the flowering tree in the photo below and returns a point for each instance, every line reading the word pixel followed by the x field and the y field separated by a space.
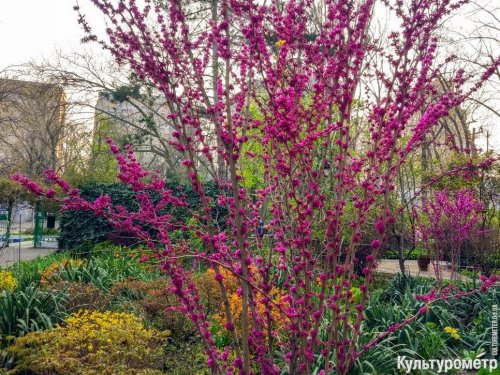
pixel 322 184
pixel 447 220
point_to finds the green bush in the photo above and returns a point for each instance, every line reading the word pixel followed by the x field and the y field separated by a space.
pixel 79 227
pixel 105 270
pixel 456 325
pixel 110 264
pixel 83 229
pixel 154 301
pixel 410 255
pixel 80 296
pixel 30 272
pixel 28 310
pixel 186 358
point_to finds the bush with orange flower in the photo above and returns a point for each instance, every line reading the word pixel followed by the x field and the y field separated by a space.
pixel 211 295
pixel 51 273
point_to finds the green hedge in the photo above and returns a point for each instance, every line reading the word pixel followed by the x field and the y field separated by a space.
pixel 392 254
pixel 80 228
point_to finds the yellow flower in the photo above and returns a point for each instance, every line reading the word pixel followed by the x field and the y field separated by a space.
pixel 453 332
pixel 97 340
pixel 280 43
pixel 7 281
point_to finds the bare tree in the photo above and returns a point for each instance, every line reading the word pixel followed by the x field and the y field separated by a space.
pixel 108 96
pixel 33 127
pixel 475 40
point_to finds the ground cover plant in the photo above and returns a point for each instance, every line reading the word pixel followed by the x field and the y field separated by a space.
pixel 302 245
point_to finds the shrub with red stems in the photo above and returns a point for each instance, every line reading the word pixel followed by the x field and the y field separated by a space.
pixel 305 78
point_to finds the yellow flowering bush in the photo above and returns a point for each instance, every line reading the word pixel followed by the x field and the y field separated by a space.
pixel 92 342
pixel 7 281
pixel 453 332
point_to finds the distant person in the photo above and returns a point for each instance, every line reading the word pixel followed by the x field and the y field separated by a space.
pixel 261 230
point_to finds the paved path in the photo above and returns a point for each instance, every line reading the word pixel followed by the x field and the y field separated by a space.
pixel 392 266
pixel 10 255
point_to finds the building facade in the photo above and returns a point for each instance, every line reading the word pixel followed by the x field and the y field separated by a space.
pixel 32 127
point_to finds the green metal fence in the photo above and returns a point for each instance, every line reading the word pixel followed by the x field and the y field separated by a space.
pixel 46 228
pixel 5 224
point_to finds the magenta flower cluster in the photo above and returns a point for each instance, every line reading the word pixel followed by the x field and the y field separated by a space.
pixel 323 177
pixel 446 221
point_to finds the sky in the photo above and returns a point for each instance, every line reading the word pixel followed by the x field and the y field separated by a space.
pixel 33 30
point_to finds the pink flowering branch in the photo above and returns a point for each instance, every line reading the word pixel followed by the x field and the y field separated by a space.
pixel 446 221
pixel 302 79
